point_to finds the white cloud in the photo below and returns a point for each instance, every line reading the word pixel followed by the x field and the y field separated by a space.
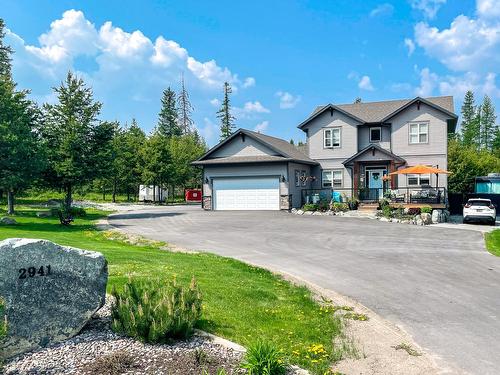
pixel 261 127
pixel 410 45
pixel 365 83
pixel 469 44
pixel 287 100
pixel 256 107
pixel 209 131
pixel 118 52
pixel 248 82
pixel 428 7
pixel 384 9
pixel 215 102
pixel 488 8
pixel 457 85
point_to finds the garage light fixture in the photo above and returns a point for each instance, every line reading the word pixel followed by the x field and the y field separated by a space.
pixel 283 179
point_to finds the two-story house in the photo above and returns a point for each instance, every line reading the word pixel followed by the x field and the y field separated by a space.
pixel 350 148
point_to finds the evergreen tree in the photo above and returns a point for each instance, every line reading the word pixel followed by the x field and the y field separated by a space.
pixel 5 53
pixel 156 159
pixel 168 122
pixel 185 109
pixel 224 114
pixel 21 157
pixel 487 121
pixel 75 137
pixel 135 139
pixel 357 100
pixel 292 141
pixel 470 126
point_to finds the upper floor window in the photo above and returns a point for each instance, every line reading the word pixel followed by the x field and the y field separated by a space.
pixel 375 134
pixel 331 138
pixel 419 132
pixel 331 178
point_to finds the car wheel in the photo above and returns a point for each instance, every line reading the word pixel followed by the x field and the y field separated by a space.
pixel 493 222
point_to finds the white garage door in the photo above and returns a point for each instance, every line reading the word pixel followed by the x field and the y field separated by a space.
pixel 246 193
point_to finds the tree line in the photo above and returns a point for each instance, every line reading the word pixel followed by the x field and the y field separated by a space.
pixel 65 145
pixel 475 149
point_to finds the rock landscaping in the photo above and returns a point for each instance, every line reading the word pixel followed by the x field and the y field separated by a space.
pixel 98 350
pixel 8 221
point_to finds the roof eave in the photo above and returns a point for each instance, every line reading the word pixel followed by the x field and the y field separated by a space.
pixel 331 107
pixel 425 101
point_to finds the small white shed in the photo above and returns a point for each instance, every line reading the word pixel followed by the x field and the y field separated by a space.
pixel 152 193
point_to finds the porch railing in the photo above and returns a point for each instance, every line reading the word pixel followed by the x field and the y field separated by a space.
pixel 407 195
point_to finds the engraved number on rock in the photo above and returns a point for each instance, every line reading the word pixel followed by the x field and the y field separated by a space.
pixel 34 271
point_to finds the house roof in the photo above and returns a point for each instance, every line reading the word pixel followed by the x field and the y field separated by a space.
pixel 374 112
pixel 287 151
pixel 389 154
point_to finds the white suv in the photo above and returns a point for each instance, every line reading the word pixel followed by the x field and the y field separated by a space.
pixel 480 209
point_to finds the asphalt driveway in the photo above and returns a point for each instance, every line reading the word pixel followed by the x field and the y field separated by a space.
pixel 439 284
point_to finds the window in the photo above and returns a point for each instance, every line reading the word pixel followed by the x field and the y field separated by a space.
pixel 375 134
pixel 303 178
pixel 331 138
pixel 297 178
pixel 418 179
pixel 332 178
pixel 419 133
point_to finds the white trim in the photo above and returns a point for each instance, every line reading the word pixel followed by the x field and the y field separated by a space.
pixel 419 179
pixel 419 132
pixel 379 128
pixel 330 137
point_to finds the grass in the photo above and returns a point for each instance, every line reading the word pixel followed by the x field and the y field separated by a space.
pixel 493 242
pixel 240 302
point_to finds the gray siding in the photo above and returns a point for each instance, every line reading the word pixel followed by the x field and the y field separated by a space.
pixel 348 138
pixel 236 147
pixel 364 137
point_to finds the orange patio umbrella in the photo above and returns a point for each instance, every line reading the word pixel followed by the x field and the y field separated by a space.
pixel 421 169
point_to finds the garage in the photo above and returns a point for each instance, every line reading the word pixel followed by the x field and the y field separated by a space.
pixel 246 193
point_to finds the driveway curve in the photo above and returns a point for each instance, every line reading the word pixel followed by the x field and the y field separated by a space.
pixel 439 284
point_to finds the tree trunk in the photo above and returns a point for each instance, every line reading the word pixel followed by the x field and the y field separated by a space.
pixel 103 193
pixel 1 194
pixel 114 190
pixel 10 203
pixel 128 193
pixel 68 200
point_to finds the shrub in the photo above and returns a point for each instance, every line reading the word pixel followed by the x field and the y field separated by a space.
pixel 74 211
pixel 155 312
pixel 339 207
pixel 387 211
pixel 3 320
pixel 414 211
pixel 310 207
pixel 263 358
pixel 426 210
pixel 323 205
pixel 383 202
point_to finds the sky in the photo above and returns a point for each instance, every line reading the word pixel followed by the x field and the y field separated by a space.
pixel 282 58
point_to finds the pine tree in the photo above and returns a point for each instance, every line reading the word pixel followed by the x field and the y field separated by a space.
pixel 470 126
pixel 292 142
pixel 74 135
pixel 357 100
pixel 224 114
pixel 184 109
pixel 487 122
pixel 5 53
pixel 168 121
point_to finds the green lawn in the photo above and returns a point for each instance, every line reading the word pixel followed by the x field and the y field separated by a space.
pixel 240 302
pixel 493 242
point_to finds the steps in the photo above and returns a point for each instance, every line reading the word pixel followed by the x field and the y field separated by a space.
pixel 368 207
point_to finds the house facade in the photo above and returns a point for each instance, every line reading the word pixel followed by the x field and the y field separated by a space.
pixel 350 149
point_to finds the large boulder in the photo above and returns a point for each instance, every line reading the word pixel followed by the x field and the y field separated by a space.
pixel 438 216
pixel 426 218
pixel 50 292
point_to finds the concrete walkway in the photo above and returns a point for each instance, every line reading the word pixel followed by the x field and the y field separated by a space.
pixel 439 284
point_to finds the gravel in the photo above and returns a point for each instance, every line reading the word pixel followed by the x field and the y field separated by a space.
pixel 98 350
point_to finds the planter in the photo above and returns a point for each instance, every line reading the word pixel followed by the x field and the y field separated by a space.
pixel 353 205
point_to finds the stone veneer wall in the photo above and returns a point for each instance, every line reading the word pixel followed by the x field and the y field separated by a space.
pixel 207 202
pixel 285 202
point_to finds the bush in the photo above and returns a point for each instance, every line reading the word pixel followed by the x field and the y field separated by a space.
pixel 3 320
pixel 426 210
pixel 74 211
pixel 323 205
pixel 387 211
pixel 155 312
pixel 339 207
pixel 263 358
pixel 383 202
pixel 310 207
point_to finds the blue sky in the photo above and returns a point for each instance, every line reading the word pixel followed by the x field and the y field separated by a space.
pixel 283 58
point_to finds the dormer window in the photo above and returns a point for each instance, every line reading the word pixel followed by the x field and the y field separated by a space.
pixel 331 138
pixel 375 134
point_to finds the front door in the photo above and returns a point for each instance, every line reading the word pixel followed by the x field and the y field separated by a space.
pixel 376 183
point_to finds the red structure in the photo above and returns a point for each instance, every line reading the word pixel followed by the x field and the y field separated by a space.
pixel 193 195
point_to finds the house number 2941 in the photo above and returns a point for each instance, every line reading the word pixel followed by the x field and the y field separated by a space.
pixel 34 271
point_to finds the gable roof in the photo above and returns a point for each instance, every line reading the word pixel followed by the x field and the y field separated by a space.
pixel 287 151
pixel 373 112
pixel 390 155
